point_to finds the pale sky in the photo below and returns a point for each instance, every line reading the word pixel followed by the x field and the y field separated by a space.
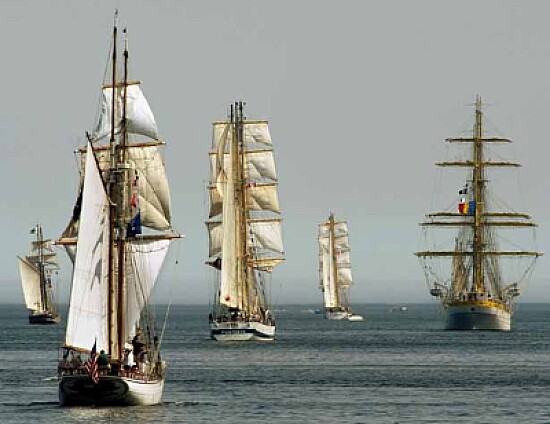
pixel 360 96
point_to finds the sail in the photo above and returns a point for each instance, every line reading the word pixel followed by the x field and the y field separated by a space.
pixel 327 281
pixel 87 319
pixel 255 133
pixel 30 280
pixel 49 257
pixel 334 255
pixel 144 259
pixel 146 167
pixel 231 224
pixel 153 190
pixel 244 226
pixel 139 116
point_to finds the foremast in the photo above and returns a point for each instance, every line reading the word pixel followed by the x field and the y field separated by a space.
pixel 482 249
pixel 333 261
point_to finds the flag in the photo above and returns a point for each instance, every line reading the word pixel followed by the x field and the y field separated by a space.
pixel 251 184
pixel 91 365
pixel 471 208
pixel 133 202
pixel 462 206
pixel 134 226
pixel 463 191
pixel 33 231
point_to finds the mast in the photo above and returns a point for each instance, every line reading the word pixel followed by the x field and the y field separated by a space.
pixel 41 272
pixel 478 181
pixel 481 244
pixel 334 268
pixel 112 193
pixel 121 209
pixel 245 254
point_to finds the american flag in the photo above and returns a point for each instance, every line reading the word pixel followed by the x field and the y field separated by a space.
pixel 91 365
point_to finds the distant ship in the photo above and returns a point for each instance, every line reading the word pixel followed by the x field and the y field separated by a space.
pixel 335 270
pixel 480 293
pixel 36 271
pixel 121 228
pixel 244 228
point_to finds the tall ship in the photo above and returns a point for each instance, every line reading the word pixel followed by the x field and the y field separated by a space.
pixel 335 270
pixel 484 269
pixel 117 238
pixel 37 270
pixel 244 228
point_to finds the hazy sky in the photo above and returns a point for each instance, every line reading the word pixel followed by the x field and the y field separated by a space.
pixel 360 96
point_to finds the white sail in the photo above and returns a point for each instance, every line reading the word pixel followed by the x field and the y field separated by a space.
pixel 338 259
pixel 139 116
pixel 327 282
pixel 215 232
pixel 49 257
pixel 30 279
pixel 154 193
pixel 260 164
pixel 153 190
pixel 255 132
pixel 144 259
pixel 266 234
pixel 263 197
pixel 87 320
pixel 229 271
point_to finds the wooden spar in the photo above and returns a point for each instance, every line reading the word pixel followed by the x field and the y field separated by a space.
pixel 471 223
pixel 472 163
pixel 486 214
pixel 482 139
pixel 450 253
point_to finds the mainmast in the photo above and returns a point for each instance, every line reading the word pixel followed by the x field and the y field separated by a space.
pixel 478 182
pixel 39 243
pixel 112 195
pixel 334 267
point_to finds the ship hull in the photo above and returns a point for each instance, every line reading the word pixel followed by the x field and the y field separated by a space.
pixel 477 317
pixel 44 318
pixel 342 316
pixel 80 390
pixel 241 331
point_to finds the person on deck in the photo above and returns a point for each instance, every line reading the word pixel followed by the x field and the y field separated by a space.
pixel 103 361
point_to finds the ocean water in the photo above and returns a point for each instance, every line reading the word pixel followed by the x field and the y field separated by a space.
pixel 395 367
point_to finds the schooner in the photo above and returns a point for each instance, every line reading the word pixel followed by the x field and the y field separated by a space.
pixel 244 228
pixel 36 271
pixel 121 228
pixel 480 293
pixel 335 269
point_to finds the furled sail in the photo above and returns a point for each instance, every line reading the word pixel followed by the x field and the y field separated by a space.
pixel 87 322
pixel 30 279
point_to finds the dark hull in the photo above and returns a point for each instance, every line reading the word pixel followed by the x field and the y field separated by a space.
pixel 80 390
pixel 44 319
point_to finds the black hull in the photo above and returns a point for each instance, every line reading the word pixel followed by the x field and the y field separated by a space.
pixel 44 319
pixel 83 391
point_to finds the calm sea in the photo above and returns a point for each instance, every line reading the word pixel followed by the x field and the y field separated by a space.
pixel 396 367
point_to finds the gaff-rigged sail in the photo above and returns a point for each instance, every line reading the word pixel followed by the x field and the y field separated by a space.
pixel 30 280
